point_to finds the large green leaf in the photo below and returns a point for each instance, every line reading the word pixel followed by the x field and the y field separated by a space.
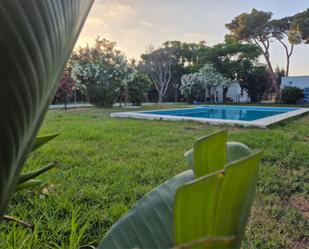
pixel 209 153
pixel 28 184
pixel 211 243
pixel 41 140
pixel 36 40
pixel 195 207
pixel 236 196
pixel 234 151
pixel 32 174
pixel 217 205
pixel 150 223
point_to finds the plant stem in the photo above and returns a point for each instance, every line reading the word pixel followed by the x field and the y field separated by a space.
pixel 13 219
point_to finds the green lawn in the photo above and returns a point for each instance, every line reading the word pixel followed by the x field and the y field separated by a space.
pixel 109 164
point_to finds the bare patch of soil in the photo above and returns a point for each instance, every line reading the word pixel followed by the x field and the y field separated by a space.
pixel 302 244
pixel 302 205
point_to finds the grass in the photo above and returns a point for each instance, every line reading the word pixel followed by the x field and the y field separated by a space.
pixel 108 164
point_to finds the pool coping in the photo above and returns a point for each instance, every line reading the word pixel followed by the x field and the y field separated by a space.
pixel 261 123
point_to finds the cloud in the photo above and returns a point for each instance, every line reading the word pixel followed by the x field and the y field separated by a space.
pixel 194 36
pixel 117 12
pixel 151 26
pixel 84 40
pixel 94 22
pixel 94 26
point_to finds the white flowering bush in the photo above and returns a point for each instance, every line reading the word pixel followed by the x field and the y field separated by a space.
pixel 191 86
pixel 100 72
pixel 207 80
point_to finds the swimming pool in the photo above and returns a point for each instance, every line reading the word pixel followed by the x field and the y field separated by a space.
pixel 234 115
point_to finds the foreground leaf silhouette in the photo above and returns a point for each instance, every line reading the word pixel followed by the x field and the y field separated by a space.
pixel 210 211
pixel 36 40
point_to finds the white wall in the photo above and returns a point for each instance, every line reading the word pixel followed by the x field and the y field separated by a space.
pixel 297 81
pixel 236 94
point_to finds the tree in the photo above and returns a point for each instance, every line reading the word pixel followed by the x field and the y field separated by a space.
pixel 212 79
pixel 100 71
pixel 157 65
pixel 191 86
pixel 185 58
pixel 207 79
pixel 255 80
pixel 254 28
pixel 65 88
pixel 138 87
pixel 258 28
pixel 300 25
pixel 280 72
pixel 184 55
pixel 232 59
pixel 281 31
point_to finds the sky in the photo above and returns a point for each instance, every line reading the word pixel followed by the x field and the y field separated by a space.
pixel 136 24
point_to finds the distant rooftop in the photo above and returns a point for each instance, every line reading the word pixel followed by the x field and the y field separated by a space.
pixel 299 76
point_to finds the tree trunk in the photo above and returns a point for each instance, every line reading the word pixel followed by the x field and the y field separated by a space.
pixel 224 92
pixel 126 95
pixel 288 53
pixel 205 100
pixel 265 51
pixel 160 98
pixel 288 59
pixel 65 100
pixel 272 76
pixel 176 94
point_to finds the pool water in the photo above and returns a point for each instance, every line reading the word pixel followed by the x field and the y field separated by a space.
pixel 244 113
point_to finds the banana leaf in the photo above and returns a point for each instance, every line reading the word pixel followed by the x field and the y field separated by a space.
pixel 209 242
pixel 36 40
pixel 209 153
pixel 234 151
pixel 218 204
pixel 150 223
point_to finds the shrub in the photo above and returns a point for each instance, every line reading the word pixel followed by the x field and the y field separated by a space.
pixel 207 80
pixel 291 95
pixel 138 88
pixel 190 87
pixel 102 96
pixel 100 72
pixel 65 89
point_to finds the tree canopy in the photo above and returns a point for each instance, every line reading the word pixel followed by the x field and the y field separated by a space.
pixel 300 25
pixel 251 36
pixel 207 78
pixel 100 71
pixel 157 64
pixel 258 27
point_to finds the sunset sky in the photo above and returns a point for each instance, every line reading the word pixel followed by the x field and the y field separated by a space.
pixel 136 24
